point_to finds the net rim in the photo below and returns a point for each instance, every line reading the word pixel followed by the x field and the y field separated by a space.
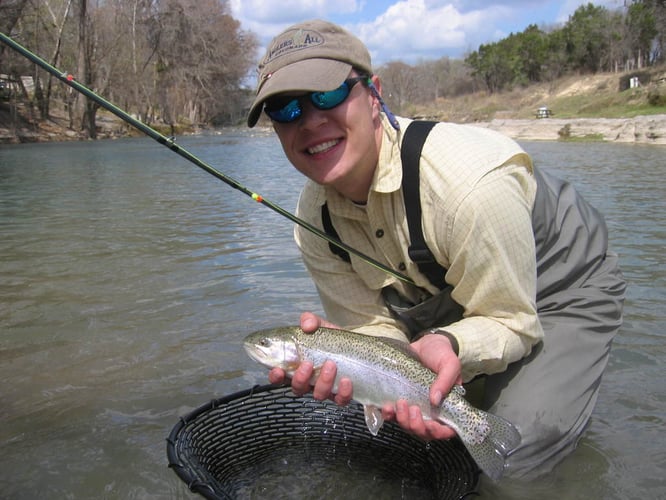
pixel 200 481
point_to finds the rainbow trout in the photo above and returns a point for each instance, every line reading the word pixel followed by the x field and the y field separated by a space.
pixel 386 370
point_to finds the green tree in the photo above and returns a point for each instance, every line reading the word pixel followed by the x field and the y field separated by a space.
pixel 491 66
pixel 642 31
pixel 519 59
pixel 590 34
pixel 555 63
pixel 532 52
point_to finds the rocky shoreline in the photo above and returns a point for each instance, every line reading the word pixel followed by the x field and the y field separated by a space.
pixel 639 130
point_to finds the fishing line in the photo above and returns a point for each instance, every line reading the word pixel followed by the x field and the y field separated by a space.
pixel 170 143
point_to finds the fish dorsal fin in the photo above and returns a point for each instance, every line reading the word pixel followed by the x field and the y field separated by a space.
pixel 373 418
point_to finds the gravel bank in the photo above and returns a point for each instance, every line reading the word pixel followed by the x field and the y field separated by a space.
pixel 639 130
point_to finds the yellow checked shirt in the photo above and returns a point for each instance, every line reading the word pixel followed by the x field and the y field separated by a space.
pixel 477 192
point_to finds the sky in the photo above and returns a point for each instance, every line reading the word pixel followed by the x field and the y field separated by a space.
pixel 410 30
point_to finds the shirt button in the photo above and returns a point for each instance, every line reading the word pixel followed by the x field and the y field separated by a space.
pixel 402 266
pixel 379 233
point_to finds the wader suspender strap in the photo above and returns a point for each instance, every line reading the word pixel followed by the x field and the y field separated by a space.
pixel 410 156
pixel 330 230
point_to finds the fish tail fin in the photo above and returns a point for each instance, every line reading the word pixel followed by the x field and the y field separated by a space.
pixel 503 433
pixel 490 454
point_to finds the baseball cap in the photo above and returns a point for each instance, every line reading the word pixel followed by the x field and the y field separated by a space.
pixel 311 56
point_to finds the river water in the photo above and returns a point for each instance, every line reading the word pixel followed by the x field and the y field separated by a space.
pixel 129 279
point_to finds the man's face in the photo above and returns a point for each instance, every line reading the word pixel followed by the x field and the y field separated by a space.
pixel 338 147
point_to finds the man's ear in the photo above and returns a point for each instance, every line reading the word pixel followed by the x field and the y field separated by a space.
pixel 377 83
pixel 376 89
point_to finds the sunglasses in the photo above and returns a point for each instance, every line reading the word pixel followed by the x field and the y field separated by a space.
pixel 287 109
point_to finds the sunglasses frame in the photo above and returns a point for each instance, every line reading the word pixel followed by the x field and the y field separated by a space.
pixel 314 97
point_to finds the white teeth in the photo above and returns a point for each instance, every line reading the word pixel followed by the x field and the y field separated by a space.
pixel 322 147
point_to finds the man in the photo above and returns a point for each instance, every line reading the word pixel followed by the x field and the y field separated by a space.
pixel 532 297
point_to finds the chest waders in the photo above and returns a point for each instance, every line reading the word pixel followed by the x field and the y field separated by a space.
pixel 550 394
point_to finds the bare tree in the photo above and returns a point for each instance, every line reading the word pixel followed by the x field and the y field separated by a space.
pixel 10 13
pixel 58 21
pixel 201 59
pixel 399 84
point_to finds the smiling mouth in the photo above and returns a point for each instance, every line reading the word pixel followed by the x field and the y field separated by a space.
pixel 324 146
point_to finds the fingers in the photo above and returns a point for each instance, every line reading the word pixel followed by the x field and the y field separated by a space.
pixel 300 380
pixel 443 383
pixel 310 322
pixel 411 420
pixel 325 385
pixel 436 352
pixel 305 376
pixel 277 376
pixel 345 392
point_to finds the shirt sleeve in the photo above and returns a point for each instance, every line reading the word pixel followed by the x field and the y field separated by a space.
pixel 492 267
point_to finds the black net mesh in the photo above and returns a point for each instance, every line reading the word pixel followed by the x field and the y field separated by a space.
pixel 266 442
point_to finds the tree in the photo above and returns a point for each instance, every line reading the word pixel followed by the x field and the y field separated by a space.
pixel 492 66
pixel 587 42
pixel 170 60
pixel 58 21
pixel 399 82
pixel 10 13
pixel 642 30
pixel 532 49
pixel 83 111
pixel 555 63
pixel 202 56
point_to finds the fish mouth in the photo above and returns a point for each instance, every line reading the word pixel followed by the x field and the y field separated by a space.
pixel 272 355
pixel 259 354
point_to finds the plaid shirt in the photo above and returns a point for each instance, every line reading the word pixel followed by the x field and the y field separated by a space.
pixel 477 192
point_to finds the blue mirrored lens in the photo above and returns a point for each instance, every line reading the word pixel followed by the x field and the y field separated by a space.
pixel 287 113
pixel 292 110
pixel 330 99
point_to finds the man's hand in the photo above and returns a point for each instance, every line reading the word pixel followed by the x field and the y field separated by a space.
pixel 304 376
pixel 435 352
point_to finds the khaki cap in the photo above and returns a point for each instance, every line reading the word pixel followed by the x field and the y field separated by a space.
pixel 308 57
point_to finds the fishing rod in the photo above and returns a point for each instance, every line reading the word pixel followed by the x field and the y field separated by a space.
pixel 170 143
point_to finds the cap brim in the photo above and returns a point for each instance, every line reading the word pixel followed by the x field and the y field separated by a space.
pixel 310 75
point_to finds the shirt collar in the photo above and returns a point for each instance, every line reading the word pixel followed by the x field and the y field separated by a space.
pixel 388 175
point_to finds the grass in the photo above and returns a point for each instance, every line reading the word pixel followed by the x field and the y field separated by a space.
pixel 586 96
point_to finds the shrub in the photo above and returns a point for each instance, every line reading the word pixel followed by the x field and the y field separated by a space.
pixel 657 96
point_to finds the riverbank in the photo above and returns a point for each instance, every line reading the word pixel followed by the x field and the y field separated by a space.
pixel 640 129
pixel 586 107
pixel 24 127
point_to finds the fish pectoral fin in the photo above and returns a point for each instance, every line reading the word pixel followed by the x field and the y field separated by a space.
pixel 373 418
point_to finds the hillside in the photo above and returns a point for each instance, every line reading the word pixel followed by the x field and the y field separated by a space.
pixel 590 107
pixel 574 96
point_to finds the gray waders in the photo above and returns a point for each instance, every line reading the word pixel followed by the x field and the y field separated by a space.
pixel 550 394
